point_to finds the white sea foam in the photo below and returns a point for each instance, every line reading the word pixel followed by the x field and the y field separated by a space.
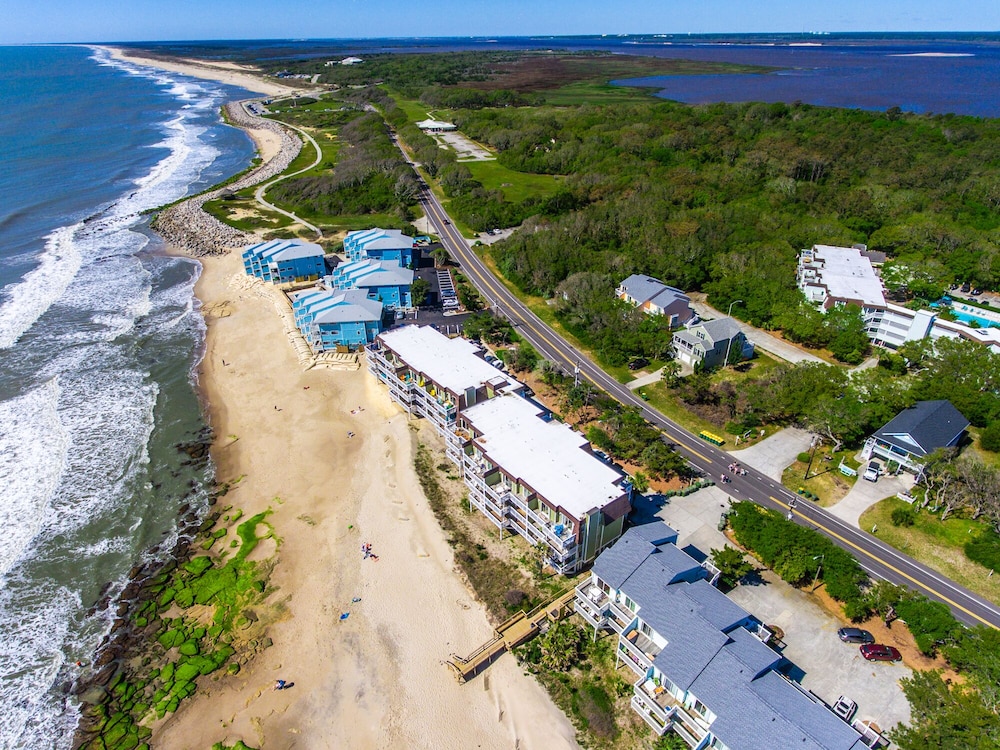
pixel 72 247
pixel 33 454
pixel 24 302
pixel 33 651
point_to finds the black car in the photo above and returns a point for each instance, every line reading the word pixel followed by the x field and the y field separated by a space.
pixel 638 362
pixel 855 635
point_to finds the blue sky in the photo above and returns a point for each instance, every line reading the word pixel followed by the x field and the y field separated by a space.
pixel 26 21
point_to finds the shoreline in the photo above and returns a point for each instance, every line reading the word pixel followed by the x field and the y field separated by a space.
pixel 244 77
pixel 283 444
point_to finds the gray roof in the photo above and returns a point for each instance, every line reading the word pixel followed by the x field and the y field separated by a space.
pixel 924 427
pixel 655 533
pixel 710 653
pixel 721 329
pixel 643 288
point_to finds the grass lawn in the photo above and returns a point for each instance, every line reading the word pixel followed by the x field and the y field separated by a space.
pixel 515 186
pixel 936 544
pixel 255 217
pixel 825 480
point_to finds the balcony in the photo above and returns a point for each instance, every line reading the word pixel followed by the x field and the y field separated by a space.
pixel 641 647
pixel 619 618
pixel 659 708
pixel 644 710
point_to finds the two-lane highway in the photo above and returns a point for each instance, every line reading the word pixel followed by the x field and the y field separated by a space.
pixel 879 559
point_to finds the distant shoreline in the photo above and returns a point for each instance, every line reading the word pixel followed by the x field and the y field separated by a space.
pixel 243 76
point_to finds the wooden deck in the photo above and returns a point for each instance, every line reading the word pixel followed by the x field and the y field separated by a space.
pixel 519 629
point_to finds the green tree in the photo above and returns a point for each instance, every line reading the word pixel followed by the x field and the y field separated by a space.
pixel 848 337
pixel 418 291
pixel 731 563
pixel 945 716
pixel 560 646
pixel 441 257
pixel 640 482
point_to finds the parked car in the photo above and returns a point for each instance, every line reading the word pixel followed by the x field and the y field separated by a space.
pixel 879 652
pixel 636 362
pixel 966 287
pixel 845 708
pixel 855 635
pixel 873 471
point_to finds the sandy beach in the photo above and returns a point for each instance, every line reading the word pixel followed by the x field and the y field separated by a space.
pixel 376 679
pixel 243 76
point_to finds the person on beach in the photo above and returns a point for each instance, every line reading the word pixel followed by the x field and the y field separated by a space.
pixel 280 685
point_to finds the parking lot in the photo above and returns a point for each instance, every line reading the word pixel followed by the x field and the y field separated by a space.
pixel 825 666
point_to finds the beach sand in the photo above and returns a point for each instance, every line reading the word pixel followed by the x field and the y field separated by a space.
pixel 378 678
pixel 243 76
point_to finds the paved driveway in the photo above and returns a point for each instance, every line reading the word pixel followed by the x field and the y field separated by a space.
pixel 824 665
pixel 865 494
pixel 774 454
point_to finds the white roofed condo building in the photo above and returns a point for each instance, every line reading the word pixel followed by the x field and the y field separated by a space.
pixel 830 276
pixel 525 472
pixel 702 665
pixel 533 475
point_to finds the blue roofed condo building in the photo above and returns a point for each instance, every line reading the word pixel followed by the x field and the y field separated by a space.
pixel 282 261
pixel 330 319
pixel 382 244
pixel 385 281
pixel 526 472
pixel 702 665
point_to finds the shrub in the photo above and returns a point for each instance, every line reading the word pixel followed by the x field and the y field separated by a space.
pixel 930 622
pixel 985 550
pixel 804 457
pixel 989 438
pixel 903 517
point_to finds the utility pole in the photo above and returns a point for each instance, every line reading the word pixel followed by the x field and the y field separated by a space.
pixel 730 342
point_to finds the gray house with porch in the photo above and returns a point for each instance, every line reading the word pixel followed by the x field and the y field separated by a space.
pixel 915 433
pixel 709 342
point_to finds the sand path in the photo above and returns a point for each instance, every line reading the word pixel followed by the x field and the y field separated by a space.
pixel 376 679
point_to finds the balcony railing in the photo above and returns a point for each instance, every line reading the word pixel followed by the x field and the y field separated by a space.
pixel 655 723
pixel 619 618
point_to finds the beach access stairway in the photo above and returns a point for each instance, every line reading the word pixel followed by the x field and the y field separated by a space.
pixel 519 629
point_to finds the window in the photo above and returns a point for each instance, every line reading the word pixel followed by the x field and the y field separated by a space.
pixel 645 629
pixel 630 604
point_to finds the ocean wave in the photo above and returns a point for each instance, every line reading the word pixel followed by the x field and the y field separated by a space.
pixel 33 456
pixel 27 300
pixel 34 652
pixel 72 247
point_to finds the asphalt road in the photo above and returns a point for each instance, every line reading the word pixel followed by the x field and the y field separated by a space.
pixel 879 559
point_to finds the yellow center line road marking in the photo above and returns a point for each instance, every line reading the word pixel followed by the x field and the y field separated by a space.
pixel 882 562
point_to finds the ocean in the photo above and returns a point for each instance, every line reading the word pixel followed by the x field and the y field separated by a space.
pixel 99 337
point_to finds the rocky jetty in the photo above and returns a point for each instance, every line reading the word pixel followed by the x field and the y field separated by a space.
pixel 187 226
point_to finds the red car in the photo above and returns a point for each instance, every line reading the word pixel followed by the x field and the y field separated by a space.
pixel 878 652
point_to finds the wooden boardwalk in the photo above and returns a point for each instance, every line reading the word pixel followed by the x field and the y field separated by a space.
pixel 519 629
